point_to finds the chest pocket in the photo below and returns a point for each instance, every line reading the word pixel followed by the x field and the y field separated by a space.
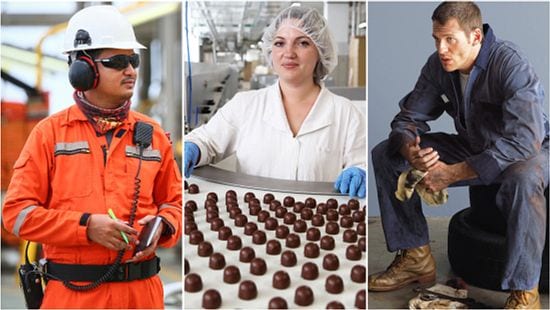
pixel 73 168
pixel 151 160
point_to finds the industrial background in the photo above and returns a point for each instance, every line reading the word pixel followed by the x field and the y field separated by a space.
pixel 34 85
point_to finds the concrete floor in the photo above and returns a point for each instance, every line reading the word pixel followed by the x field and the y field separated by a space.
pixel 379 259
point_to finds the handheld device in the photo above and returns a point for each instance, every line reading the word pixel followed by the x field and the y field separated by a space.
pixel 31 282
pixel 147 234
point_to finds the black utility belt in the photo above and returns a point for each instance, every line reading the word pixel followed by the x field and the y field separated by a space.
pixel 90 273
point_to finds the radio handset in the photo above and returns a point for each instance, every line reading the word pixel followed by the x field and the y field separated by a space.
pixel 143 136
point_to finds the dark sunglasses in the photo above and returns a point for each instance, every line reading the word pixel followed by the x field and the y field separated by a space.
pixel 120 62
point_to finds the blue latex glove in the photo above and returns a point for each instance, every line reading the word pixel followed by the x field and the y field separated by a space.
pixel 352 181
pixel 191 157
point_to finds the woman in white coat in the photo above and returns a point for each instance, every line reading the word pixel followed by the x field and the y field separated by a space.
pixel 295 129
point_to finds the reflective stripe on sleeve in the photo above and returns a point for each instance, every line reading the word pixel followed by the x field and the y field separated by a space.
pixel 21 218
pixel 165 206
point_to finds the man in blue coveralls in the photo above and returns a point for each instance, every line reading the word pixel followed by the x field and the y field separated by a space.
pixel 496 100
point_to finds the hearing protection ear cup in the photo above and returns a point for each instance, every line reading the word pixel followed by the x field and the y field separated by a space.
pixel 83 73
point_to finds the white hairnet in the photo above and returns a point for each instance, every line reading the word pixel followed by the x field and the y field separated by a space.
pixel 313 25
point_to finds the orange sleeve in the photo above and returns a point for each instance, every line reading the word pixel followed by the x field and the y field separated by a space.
pixel 167 194
pixel 25 212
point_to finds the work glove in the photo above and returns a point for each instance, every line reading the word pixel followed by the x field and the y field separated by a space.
pixel 352 181
pixel 191 157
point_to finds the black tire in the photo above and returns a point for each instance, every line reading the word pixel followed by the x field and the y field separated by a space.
pixel 477 255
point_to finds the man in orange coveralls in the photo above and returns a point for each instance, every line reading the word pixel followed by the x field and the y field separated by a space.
pixel 82 161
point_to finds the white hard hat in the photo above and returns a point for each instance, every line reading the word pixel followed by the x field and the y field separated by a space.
pixel 99 26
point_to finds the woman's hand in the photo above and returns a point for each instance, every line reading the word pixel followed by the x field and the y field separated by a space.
pixel 352 181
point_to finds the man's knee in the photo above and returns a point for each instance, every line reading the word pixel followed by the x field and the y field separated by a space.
pixel 380 152
pixel 524 175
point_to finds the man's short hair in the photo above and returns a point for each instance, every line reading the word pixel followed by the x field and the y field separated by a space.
pixel 467 14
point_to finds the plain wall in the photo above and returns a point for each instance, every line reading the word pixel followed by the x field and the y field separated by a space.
pixel 400 41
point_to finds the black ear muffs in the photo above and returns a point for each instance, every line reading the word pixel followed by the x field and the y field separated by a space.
pixel 83 73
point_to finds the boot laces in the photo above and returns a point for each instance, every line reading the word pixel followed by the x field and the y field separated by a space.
pixel 398 261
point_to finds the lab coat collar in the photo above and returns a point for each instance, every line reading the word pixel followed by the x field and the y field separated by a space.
pixel 318 117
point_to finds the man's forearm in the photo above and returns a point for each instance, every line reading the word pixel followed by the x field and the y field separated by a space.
pixel 462 171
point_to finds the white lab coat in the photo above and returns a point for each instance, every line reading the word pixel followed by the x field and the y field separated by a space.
pixel 254 127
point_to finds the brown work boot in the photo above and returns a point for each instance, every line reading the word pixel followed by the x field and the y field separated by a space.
pixel 523 300
pixel 412 265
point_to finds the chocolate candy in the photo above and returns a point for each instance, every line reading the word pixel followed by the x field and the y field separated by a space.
pixel 335 305
pixel 289 218
pixel 332 228
pixel 344 210
pixel 193 283
pixel 288 258
pixel 327 243
pixel 263 215
pixel 306 214
pixel 273 247
pixel 230 193
pixel 211 215
pixel 310 202
pixel 188 218
pixel 186 267
pixel 258 266
pixel 224 233
pixel 205 249
pixel 331 262
pixel 280 212
pixel 246 254
pixel 332 215
pixel 292 241
pixel 254 210
pixel 189 227
pixel 300 226
pixel 288 201
pixel 353 204
pixel 271 223
pixel 353 252
pixel 250 228
pixel 254 202
pixel 358 216
pixel 268 198
pixel 362 243
pixel 212 196
pixel 216 224
pixel 313 234
pixel 258 237
pixel 191 204
pixel 240 220
pixel 350 235
pixel 233 212
pixel 311 250
pixel 211 203
pixel 361 228
pixel 274 204
pixel 217 261
pixel 281 280
pixel 303 296
pixel 248 196
pixel 334 284
pixel 211 208
pixel 298 207
pixel 211 299
pixel 310 271
pixel 196 237
pixel 247 290
pixel 358 274
pixel 231 274
pixel 193 189
pixel 318 220
pixel 332 203
pixel 185 184
pixel 346 221
pixel 234 243
pixel 321 208
pixel 360 300
pixel 277 303
pixel 281 231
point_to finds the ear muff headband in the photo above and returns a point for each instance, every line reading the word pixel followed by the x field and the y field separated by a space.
pixel 83 73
